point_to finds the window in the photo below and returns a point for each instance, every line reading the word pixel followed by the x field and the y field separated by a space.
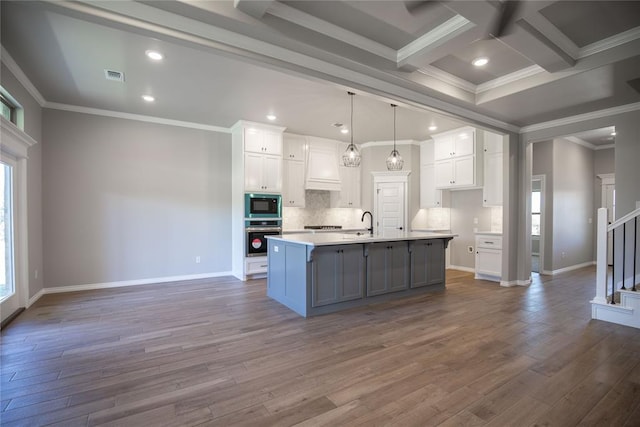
pixel 7 284
pixel 8 110
pixel 535 213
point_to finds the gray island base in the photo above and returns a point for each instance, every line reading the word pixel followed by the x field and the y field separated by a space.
pixel 323 273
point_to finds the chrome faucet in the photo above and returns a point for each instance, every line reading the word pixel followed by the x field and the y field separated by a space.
pixel 370 229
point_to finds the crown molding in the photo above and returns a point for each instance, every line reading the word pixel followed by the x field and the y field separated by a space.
pixel 580 141
pixel 15 69
pixel 604 147
pixel 389 143
pixel 582 117
pixel 136 117
pixel 610 42
pixel 443 76
pixel 509 78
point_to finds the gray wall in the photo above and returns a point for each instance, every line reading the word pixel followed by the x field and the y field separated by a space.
pixel 465 206
pixel 543 160
pixel 126 200
pixel 572 204
pixel 568 170
pixel 33 128
pixel 627 153
pixel 374 160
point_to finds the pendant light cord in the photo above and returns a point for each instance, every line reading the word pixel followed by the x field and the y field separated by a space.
pixel 394 126
pixel 351 95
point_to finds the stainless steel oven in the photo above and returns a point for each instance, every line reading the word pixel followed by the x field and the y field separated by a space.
pixel 256 232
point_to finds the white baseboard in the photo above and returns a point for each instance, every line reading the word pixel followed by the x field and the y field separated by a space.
pixel 93 286
pixel 458 267
pixel 35 298
pixel 511 283
pixel 570 268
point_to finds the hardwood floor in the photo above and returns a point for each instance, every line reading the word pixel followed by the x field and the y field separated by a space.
pixel 219 352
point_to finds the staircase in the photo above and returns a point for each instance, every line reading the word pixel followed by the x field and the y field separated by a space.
pixel 617 297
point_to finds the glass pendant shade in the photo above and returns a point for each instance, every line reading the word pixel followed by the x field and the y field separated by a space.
pixel 351 157
pixel 394 161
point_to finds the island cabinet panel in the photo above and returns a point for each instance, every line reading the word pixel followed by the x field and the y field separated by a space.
pixel 427 262
pixel 337 274
pixel 387 267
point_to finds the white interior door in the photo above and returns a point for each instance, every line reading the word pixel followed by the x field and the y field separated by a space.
pixel 390 206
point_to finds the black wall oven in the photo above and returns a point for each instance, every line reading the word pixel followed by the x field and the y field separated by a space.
pixel 256 233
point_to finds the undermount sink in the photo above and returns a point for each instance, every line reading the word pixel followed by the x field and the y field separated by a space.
pixel 356 235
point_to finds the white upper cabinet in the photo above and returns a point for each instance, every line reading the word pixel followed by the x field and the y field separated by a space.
pixel 263 141
pixel 293 194
pixel 294 147
pixel 430 197
pixel 457 143
pixel 349 194
pixel 493 176
pixel 263 173
pixel 457 162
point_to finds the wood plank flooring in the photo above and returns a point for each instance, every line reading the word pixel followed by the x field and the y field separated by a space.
pixel 220 353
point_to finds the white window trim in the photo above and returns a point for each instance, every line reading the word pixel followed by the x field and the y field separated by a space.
pixel 15 144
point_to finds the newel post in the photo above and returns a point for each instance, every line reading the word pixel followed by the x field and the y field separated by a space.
pixel 601 257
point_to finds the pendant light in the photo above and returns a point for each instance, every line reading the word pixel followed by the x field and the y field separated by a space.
pixel 351 157
pixel 394 161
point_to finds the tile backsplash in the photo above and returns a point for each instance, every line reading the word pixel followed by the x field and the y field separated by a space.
pixel 318 211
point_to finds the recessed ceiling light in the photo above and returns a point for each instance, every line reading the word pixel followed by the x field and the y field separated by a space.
pixel 344 130
pixel 155 55
pixel 432 128
pixel 613 133
pixel 480 62
pixel 271 117
pixel 148 98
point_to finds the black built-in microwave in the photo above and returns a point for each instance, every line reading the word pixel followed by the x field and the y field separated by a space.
pixel 262 205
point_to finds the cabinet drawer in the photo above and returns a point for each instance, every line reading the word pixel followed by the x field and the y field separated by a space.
pixel 490 242
pixel 255 265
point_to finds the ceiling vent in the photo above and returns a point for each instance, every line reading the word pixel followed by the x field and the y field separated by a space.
pixel 116 76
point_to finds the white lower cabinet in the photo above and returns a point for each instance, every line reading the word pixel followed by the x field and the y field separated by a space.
pixel 255 265
pixel 489 257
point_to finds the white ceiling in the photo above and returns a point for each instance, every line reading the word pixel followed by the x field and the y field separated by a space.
pixel 227 60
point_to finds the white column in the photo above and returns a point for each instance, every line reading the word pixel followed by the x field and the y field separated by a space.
pixel 601 257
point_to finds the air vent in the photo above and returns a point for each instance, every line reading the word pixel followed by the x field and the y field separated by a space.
pixel 116 76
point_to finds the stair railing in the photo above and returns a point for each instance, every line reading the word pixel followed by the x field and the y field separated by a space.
pixel 624 233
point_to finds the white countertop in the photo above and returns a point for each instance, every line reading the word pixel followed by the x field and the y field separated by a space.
pixel 489 233
pixel 312 231
pixel 333 238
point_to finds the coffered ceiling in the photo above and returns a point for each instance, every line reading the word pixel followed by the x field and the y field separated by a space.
pixel 229 59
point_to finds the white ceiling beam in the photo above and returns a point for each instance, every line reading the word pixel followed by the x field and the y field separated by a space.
pixel 323 27
pixel 255 8
pixel 456 32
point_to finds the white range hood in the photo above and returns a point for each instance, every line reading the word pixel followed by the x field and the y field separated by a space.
pixel 322 165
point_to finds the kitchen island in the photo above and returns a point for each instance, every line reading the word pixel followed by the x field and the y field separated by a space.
pixel 327 272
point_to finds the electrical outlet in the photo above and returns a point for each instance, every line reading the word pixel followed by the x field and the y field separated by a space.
pixel 564 255
pixel 475 221
pixel 198 259
pixel 470 249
